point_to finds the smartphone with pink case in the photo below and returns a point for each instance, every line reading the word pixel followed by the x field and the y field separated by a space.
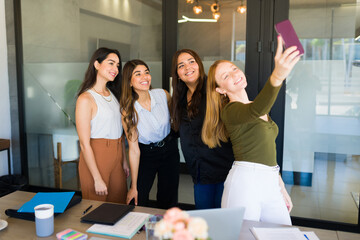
pixel 288 34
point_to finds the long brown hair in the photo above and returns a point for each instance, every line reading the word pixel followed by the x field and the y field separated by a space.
pixel 213 130
pixel 129 96
pixel 90 74
pixel 179 100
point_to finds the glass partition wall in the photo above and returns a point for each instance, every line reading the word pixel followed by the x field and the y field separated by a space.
pixel 321 163
pixel 59 38
pixel 321 131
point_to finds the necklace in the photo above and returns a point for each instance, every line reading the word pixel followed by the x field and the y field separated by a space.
pixel 103 96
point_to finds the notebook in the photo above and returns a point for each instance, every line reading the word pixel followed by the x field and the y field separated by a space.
pixel 107 213
pixel 223 223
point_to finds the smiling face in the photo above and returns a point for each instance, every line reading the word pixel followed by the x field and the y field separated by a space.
pixel 188 69
pixel 109 68
pixel 141 78
pixel 229 78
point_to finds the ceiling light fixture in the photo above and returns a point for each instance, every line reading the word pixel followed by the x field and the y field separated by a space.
pixel 216 15
pixel 186 19
pixel 215 9
pixel 242 8
pixel 197 8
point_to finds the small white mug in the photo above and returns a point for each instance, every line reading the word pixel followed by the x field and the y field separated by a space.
pixel 44 220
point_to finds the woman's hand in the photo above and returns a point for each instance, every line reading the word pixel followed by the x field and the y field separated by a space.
pixel 100 187
pixel 132 194
pixel 125 164
pixel 126 168
pixel 287 199
pixel 284 62
pixel 85 107
pixel 285 194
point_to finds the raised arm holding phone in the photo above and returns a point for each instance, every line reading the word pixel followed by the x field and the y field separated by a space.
pixel 253 181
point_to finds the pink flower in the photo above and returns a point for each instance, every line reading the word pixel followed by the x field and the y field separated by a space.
pixel 179 225
pixel 174 214
pixel 182 235
pixel 198 228
pixel 163 229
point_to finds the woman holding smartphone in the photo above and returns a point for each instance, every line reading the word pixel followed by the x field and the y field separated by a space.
pixel 253 181
pixel 153 149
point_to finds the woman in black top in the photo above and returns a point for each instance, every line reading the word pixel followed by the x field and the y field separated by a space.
pixel 208 167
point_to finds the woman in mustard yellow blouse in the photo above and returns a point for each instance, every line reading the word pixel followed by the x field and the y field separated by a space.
pixel 253 181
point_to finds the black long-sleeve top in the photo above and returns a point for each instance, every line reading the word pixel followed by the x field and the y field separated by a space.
pixel 206 165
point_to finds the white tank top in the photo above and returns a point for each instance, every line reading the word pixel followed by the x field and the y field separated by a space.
pixel 107 121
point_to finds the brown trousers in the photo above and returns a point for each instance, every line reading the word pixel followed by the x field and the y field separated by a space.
pixel 108 158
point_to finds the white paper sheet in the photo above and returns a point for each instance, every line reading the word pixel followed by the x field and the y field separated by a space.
pixel 282 234
pixel 310 236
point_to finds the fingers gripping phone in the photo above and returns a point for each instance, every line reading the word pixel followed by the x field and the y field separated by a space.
pixel 288 34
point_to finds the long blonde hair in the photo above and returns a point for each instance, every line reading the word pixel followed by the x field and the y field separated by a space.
pixel 213 130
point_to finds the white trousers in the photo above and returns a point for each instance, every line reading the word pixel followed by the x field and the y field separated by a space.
pixel 256 187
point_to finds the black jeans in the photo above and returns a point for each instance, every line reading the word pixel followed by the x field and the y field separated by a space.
pixel 165 162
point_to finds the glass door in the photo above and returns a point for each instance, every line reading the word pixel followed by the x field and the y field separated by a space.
pixel 321 161
pixel 214 30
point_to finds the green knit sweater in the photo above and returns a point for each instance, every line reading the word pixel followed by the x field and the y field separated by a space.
pixel 252 138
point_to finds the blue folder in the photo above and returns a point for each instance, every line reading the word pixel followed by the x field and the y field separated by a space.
pixel 60 200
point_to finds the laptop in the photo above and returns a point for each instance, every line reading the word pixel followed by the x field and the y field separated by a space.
pixel 223 223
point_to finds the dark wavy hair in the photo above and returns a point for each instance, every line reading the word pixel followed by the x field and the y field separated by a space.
pixel 90 74
pixel 129 96
pixel 179 100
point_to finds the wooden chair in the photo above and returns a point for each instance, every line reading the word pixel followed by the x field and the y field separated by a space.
pixel 5 145
pixel 59 162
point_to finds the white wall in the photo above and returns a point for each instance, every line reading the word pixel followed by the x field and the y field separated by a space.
pixel 82 22
pixel 5 125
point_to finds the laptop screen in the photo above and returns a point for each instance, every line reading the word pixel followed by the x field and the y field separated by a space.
pixel 224 223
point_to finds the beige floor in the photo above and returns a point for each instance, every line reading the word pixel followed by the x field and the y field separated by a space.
pixel 329 198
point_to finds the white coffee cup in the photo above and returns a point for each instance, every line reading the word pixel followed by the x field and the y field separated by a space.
pixel 44 220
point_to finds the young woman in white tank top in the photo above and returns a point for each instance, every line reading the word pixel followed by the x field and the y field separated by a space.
pixel 103 168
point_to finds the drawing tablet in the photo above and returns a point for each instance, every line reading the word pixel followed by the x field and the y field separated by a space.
pixel 107 213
